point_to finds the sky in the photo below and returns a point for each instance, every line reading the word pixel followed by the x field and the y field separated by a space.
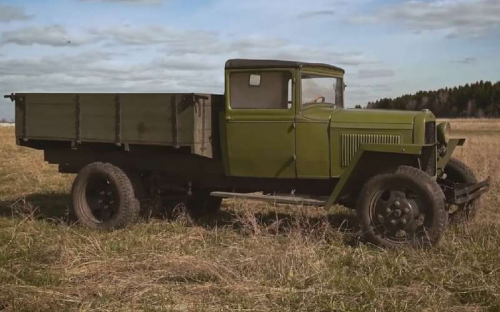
pixel 388 48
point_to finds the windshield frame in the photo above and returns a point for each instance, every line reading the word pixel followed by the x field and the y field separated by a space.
pixel 325 74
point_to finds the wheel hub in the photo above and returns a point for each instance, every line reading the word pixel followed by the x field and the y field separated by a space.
pixel 401 213
pixel 101 198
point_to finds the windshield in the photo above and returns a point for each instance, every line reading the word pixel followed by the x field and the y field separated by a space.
pixel 318 89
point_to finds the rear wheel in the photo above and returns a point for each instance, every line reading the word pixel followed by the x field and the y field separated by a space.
pixel 405 208
pixel 104 197
pixel 458 172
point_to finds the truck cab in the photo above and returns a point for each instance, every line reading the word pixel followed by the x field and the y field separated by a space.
pixel 287 120
pixel 279 111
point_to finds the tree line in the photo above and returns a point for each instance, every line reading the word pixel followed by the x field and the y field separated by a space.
pixel 480 99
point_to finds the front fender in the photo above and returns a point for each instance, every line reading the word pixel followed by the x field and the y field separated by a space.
pixel 450 148
pixel 394 151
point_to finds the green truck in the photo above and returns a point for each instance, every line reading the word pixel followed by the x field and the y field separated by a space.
pixel 279 133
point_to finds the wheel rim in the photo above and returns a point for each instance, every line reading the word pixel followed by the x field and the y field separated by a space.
pixel 399 215
pixel 102 199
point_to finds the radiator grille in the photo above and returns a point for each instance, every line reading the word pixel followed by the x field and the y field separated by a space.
pixel 430 132
pixel 351 142
pixel 430 167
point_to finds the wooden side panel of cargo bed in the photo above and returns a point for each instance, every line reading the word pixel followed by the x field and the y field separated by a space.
pixel 147 119
pixel 50 116
pixel 177 120
pixel 97 117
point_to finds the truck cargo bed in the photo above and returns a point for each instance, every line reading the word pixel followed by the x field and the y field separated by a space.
pixel 176 120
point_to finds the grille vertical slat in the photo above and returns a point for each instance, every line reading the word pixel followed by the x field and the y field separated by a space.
pixel 350 143
pixel 353 145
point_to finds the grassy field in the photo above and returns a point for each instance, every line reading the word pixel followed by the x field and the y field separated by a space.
pixel 251 257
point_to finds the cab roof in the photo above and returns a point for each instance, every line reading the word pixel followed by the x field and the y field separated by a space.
pixel 250 64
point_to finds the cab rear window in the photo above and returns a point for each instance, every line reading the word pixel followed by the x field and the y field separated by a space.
pixel 264 90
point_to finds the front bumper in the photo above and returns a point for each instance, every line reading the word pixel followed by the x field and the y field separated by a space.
pixel 462 193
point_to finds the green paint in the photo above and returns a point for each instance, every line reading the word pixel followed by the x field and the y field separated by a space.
pixel 391 150
pixel 450 148
pixel 319 141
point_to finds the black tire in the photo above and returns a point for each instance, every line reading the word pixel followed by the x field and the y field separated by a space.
pixel 458 172
pixel 104 198
pixel 407 201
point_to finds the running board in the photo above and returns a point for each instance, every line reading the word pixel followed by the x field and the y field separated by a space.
pixel 294 200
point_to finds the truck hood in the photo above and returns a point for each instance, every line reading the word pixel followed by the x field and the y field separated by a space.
pixel 374 118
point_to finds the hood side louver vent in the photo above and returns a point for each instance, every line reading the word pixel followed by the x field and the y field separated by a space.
pixel 351 143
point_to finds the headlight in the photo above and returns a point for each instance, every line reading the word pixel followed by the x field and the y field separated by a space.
pixel 443 132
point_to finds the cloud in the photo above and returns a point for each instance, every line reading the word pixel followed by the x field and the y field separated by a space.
pixel 9 13
pixel 204 45
pixel 375 73
pixel 262 47
pixel 52 35
pixel 324 55
pixel 102 65
pixel 211 45
pixel 459 18
pixel 369 88
pixel 128 1
pixel 272 12
pixel 467 60
pixel 152 35
pixel 100 72
pixel 59 36
pixel 312 14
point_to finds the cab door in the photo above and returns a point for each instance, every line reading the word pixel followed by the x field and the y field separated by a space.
pixel 259 125
pixel 313 148
pixel 318 96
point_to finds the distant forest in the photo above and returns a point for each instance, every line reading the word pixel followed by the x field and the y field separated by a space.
pixel 480 99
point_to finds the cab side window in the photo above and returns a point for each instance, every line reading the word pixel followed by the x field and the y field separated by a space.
pixel 262 90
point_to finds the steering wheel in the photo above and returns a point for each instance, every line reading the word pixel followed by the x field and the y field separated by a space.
pixel 322 98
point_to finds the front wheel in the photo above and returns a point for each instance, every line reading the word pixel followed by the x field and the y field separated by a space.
pixel 405 208
pixel 104 197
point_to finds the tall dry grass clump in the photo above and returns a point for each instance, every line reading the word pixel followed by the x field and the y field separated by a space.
pixel 249 257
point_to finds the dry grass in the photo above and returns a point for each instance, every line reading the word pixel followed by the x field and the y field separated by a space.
pixel 472 124
pixel 251 257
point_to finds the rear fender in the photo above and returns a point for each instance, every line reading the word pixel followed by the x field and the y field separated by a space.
pixel 371 158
